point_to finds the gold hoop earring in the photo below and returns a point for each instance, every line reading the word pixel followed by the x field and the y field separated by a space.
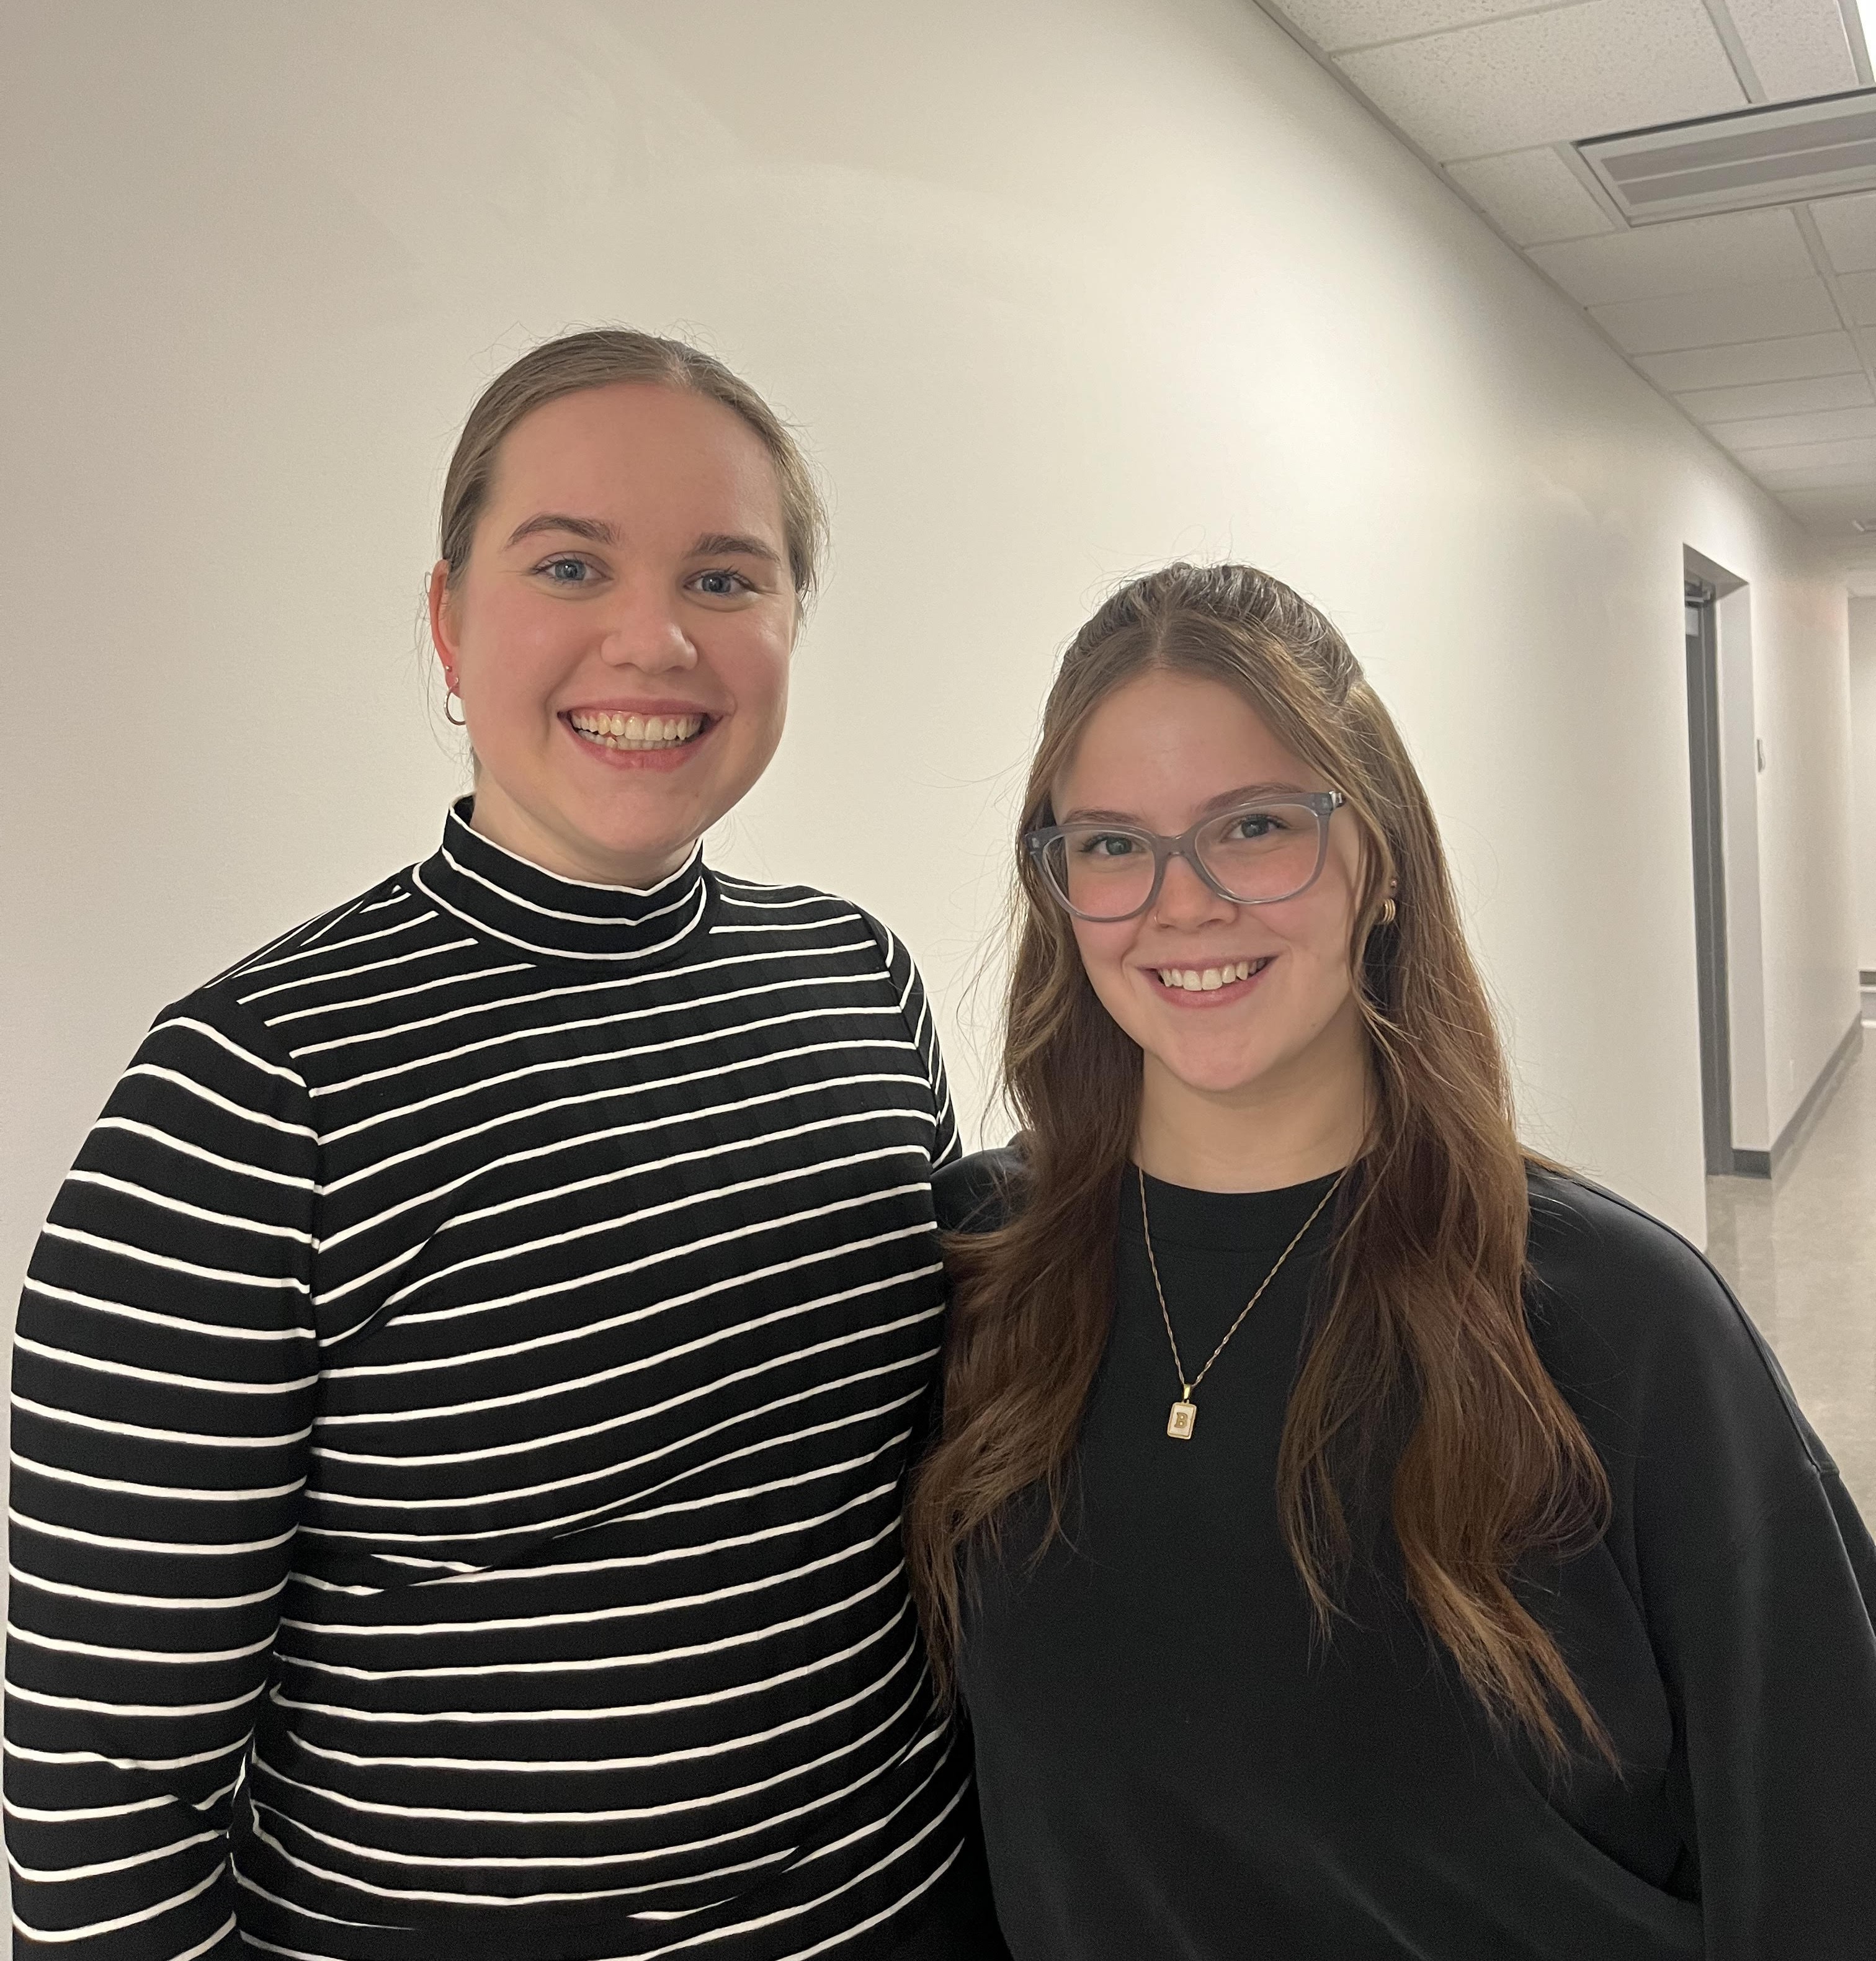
pixel 455 721
pixel 1387 913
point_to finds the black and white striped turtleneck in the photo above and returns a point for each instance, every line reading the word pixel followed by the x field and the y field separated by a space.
pixel 460 1401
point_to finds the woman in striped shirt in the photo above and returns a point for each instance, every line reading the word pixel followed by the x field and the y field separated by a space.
pixel 463 1388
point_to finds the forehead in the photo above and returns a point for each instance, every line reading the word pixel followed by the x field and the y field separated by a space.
pixel 636 447
pixel 1165 744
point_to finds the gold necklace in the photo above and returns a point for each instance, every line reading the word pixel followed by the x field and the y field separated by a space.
pixel 1184 1419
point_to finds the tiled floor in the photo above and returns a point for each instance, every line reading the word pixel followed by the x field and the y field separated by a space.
pixel 1800 1250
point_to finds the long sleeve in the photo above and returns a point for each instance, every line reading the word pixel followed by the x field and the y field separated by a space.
pixel 163 1389
pixel 915 1006
pixel 1758 1580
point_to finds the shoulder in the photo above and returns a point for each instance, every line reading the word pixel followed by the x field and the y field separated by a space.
pixel 978 1193
pixel 1631 1316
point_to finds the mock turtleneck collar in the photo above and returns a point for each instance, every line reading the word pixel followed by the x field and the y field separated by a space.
pixel 517 904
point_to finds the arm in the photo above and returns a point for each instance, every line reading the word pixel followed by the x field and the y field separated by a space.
pixel 916 1010
pixel 163 1387
pixel 1758 1580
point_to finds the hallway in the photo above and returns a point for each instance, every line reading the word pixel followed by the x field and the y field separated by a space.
pixel 1800 1250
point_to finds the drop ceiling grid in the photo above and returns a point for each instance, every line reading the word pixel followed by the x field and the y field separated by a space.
pixel 1745 319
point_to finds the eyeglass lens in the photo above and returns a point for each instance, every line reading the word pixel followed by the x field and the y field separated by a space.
pixel 1255 854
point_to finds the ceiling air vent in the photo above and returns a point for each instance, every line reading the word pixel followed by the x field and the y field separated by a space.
pixel 1753 156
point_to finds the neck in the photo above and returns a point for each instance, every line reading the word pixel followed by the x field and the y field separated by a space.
pixel 499 819
pixel 1303 1122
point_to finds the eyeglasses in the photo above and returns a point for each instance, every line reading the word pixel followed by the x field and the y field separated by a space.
pixel 1252 855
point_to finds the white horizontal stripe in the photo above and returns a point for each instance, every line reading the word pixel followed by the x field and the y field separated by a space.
pixel 707 1039
pixel 233 1221
pixel 221 1041
pixel 56 1875
pixel 743 1065
pixel 62 1935
pixel 636 1658
pixel 557 1029
pixel 207 1330
pixel 897 1366
pixel 351 1005
pixel 221 1276
pixel 529 1446
pixel 534 1527
pixel 628 1221
pixel 430 950
pixel 26 1755
pixel 631 1610
pixel 188 1549
pixel 177 1080
pixel 150 1132
pixel 73 1358
pixel 558 953
pixel 20 1577
pixel 92 1707
pixel 181 1657
pixel 532 1769
pixel 190 1492
pixel 715 1699
pixel 642 1127
pixel 336 946
pixel 609 983
pixel 40 1816
pixel 111 1428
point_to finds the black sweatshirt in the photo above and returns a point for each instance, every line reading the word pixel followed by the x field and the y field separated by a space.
pixel 461 1397
pixel 1169 1770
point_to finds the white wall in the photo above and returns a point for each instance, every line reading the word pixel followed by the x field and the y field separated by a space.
pixel 1863 750
pixel 1059 289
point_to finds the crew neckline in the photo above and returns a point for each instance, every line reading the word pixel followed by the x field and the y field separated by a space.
pixel 1223 1221
pixel 509 899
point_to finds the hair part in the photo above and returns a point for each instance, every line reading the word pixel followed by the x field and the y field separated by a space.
pixel 601 358
pixel 1419 1401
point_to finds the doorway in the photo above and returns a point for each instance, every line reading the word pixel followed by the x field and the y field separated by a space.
pixel 1709 873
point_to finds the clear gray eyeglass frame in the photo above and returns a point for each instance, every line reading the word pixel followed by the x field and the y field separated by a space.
pixel 1324 803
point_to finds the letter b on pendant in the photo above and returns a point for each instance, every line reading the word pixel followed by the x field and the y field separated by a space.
pixel 1179 1424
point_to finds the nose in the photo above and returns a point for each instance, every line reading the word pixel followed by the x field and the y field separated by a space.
pixel 1186 901
pixel 642 630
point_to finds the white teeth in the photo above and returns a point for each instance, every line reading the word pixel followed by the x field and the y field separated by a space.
pixel 1203 981
pixel 620 731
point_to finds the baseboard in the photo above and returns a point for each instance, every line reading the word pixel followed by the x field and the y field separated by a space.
pixel 1764 1164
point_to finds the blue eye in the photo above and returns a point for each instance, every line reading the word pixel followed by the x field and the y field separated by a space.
pixel 554 569
pixel 723 584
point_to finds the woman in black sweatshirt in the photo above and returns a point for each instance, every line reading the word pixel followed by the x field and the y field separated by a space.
pixel 1354 1537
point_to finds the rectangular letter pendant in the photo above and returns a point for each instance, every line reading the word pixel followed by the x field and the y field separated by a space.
pixel 1179 1424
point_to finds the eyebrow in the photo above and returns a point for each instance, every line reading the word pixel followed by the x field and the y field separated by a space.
pixel 1226 800
pixel 711 544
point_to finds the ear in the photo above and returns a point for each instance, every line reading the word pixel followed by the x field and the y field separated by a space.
pixel 442 629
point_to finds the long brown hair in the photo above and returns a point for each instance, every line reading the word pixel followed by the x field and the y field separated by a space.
pixel 1419 1367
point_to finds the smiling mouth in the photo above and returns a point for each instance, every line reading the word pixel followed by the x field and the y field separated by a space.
pixel 1209 980
pixel 611 731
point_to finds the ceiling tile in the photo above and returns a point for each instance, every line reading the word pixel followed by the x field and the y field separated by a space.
pixel 1533 194
pixel 1797 47
pixel 1859 294
pixel 1693 255
pixel 1820 426
pixel 1785 360
pixel 1809 458
pixel 1848 227
pixel 1778 398
pixel 1334 25
pixel 1713 319
pixel 1548 78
